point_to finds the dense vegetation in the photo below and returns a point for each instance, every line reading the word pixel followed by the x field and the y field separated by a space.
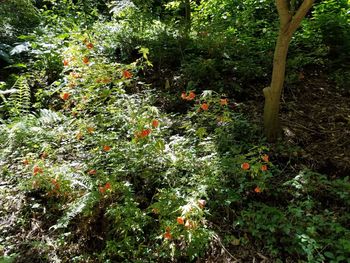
pixel 131 131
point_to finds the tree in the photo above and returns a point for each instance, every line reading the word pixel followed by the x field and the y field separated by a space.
pixel 289 22
pixel 187 17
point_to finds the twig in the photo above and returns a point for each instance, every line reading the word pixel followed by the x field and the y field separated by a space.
pixel 263 257
pixel 301 126
pixel 218 239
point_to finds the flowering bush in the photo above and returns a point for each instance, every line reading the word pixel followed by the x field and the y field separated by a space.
pixel 122 181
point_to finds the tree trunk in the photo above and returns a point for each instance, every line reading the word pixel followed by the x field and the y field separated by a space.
pixel 187 17
pixel 289 22
pixel 273 93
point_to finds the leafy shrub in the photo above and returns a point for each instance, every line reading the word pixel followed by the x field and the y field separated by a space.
pixel 324 39
pixel 342 78
pixel 303 227
pixel 121 180
pixel 331 19
pixel 16 17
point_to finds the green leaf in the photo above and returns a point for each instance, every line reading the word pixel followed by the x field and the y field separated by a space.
pixel 329 254
pixel 23 37
pixel 160 145
pixel 201 132
pixel 144 51
pixel 18 65
pixel 7 259
pixel 63 36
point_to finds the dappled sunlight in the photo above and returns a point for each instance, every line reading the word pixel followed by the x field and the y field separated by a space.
pixel 132 131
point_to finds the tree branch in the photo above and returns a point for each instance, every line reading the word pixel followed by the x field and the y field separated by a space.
pixel 300 14
pixel 283 12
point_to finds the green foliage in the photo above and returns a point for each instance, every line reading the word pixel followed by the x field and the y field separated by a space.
pixel 16 17
pixel 19 102
pixel 331 19
pixel 68 13
pixel 125 150
pixel 7 259
pixel 119 179
pixel 302 227
pixel 222 31
pixel 324 38
pixel 342 78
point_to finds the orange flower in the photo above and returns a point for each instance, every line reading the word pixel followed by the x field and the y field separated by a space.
pixel 265 157
pixel 92 172
pixel 89 45
pixel 37 170
pixel 101 189
pixel 168 236
pixel 204 106
pixel 65 96
pixel 245 166
pixel 106 148
pixel 145 133
pixel 264 168
pixel 86 60
pixel 257 189
pixel 127 74
pixel 90 129
pixel 55 183
pixel 155 123
pixel 223 102
pixel 25 162
pixel 191 95
pixel 180 220
pixel 65 62
pixel 106 80
pixel 108 185
pixel 202 203
pixel 142 134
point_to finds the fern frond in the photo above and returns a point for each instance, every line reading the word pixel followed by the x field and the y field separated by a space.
pixel 75 209
pixel 19 101
pixel 49 117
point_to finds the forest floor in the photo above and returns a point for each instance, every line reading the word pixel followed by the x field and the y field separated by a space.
pixel 316 125
pixel 315 119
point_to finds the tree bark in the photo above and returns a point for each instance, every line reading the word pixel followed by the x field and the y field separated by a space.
pixel 187 17
pixel 288 25
pixel 273 93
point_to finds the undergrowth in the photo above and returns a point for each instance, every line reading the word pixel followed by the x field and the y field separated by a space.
pixel 114 177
